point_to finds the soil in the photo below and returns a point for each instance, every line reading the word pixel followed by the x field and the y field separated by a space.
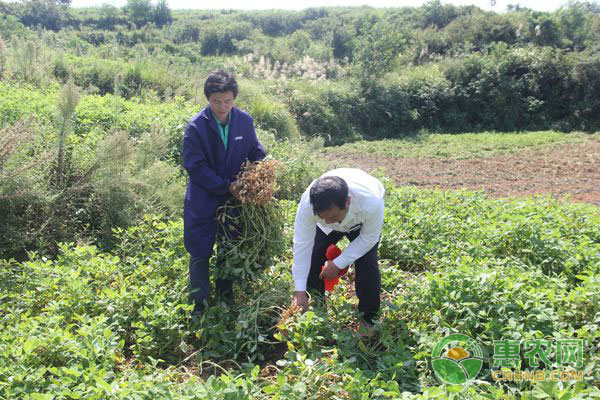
pixel 571 170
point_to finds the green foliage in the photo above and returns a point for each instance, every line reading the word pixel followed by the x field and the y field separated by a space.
pixel 100 322
pixel 253 237
pixel 96 114
pixel 438 15
pixel 218 40
pixel 104 183
pixel 28 60
pixel 326 111
pixel 300 41
pixel 49 14
pixel 492 71
pixel 109 17
pixel 141 76
pixel 116 323
pixel 477 31
pixel 561 240
pixel 2 57
pixel 377 51
pixel 494 301
pixel 10 26
pixel 459 146
pixel 299 166
pixel 67 104
pixel 268 113
pixel 139 11
pixel 162 14
pixel 510 89
pixel 21 193
pixel 105 321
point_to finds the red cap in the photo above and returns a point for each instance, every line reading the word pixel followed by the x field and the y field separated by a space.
pixel 332 252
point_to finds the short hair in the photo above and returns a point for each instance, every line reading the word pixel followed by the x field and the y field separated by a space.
pixel 220 81
pixel 327 192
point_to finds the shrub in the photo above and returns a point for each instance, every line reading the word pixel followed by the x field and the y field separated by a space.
pixel 324 110
pixel 10 26
pixel 22 194
pixel 507 90
pixel 268 113
pixel 28 60
pixel 105 183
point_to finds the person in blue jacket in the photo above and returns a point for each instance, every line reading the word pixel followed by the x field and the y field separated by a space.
pixel 217 141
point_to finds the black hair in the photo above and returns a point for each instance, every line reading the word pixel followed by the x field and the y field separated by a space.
pixel 327 192
pixel 220 81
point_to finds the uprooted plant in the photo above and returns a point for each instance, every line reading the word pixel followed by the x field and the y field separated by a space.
pixel 252 227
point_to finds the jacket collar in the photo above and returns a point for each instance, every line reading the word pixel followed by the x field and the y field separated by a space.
pixel 206 113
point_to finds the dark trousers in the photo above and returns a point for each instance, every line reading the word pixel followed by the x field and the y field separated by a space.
pixel 367 277
pixel 199 288
pixel 200 283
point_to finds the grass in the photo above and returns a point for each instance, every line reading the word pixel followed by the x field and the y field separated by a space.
pixel 461 146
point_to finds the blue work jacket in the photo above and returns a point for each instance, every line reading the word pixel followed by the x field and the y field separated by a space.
pixel 210 170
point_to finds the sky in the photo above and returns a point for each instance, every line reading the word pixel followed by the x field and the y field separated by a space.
pixel 500 5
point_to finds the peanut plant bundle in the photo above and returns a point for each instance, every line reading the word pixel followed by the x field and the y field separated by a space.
pixel 253 227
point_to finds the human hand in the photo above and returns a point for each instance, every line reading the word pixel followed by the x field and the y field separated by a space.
pixel 329 271
pixel 301 300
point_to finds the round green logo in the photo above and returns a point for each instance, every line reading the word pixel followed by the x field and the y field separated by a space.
pixel 457 359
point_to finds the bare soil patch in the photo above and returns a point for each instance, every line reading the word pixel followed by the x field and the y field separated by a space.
pixel 565 170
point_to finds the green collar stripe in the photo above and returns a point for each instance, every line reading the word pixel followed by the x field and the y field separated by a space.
pixel 223 129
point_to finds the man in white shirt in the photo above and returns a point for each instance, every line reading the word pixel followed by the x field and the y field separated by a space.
pixel 343 202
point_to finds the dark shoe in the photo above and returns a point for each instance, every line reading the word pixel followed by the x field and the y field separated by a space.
pixel 366 329
pixel 224 289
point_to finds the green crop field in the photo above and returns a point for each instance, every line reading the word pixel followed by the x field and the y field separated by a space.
pixel 480 294
pixel 98 324
pixel 461 146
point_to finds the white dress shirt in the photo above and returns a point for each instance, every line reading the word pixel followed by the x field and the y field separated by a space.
pixel 365 213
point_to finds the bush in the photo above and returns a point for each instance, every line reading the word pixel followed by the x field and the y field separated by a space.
pixel 28 61
pixel 19 102
pixel 219 39
pixel 22 194
pixel 104 183
pixel 96 114
pixel 268 113
pixel 48 14
pixel 10 26
pixel 477 31
pixel 324 110
pixel 583 94
pixel 507 90
pixel 128 79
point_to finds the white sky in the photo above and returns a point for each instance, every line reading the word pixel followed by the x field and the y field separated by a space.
pixel 541 5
